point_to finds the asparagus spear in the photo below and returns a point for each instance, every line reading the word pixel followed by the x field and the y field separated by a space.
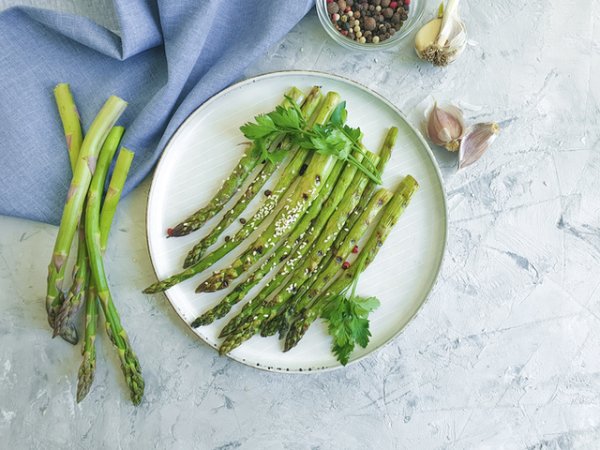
pixel 317 296
pixel 74 136
pixel 88 364
pixel 87 369
pixel 264 312
pixel 82 176
pixel 129 362
pixel 384 156
pixel 70 121
pixel 282 253
pixel 331 223
pixel 308 108
pixel 113 194
pixel 230 187
pixel 76 295
pixel 281 322
pixel 296 166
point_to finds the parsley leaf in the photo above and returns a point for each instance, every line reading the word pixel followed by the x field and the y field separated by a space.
pixel 334 139
pixel 339 114
pixel 348 323
pixel 354 134
pixel 276 156
pixel 263 127
pixel 283 118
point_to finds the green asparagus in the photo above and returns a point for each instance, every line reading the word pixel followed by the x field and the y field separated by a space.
pixel 384 156
pixel 87 369
pixel 295 205
pixel 264 312
pixel 70 120
pixel 317 296
pixel 113 194
pixel 296 167
pixel 326 225
pixel 129 362
pixel 88 364
pixel 86 162
pixel 280 323
pixel 281 254
pixel 230 187
pixel 76 295
pixel 308 108
pixel 73 136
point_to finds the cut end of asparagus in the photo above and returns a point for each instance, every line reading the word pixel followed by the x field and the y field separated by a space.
pixel 408 187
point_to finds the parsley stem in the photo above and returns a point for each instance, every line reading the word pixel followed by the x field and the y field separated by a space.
pixel 372 176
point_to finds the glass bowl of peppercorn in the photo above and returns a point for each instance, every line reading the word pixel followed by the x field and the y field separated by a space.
pixel 369 24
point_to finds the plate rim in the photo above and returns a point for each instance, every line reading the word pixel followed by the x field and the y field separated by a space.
pixel 396 110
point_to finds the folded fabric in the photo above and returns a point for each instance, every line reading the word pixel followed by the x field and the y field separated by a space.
pixel 167 58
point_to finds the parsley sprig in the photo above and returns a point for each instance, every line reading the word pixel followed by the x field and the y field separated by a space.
pixel 335 138
pixel 347 318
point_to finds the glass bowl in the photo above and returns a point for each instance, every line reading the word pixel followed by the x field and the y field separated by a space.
pixel 417 8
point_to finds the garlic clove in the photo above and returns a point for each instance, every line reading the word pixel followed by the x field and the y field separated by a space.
pixel 445 127
pixel 441 41
pixel 476 141
pixel 426 36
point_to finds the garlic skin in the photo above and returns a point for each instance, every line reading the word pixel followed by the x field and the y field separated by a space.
pixel 441 41
pixel 476 141
pixel 445 126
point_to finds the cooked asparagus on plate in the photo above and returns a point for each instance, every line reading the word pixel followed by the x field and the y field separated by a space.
pixel 322 204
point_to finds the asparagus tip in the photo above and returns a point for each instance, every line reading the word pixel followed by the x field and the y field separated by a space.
pixel 179 230
pixel 69 333
pixel 149 290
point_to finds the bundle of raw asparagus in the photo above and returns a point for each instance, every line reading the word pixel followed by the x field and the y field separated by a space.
pixel 90 212
pixel 316 216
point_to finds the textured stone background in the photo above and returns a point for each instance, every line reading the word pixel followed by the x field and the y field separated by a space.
pixel 506 353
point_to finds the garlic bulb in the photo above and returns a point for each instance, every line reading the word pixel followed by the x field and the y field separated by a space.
pixel 442 40
pixel 445 126
pixel 475 142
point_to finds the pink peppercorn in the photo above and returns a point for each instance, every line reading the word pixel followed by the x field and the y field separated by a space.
pixel 345 265
pixel 355 249
pixel 406 2
pixel 329 1
pixel 393 5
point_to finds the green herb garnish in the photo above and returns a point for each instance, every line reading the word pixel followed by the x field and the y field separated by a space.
pixel 347 318
pixel 334 138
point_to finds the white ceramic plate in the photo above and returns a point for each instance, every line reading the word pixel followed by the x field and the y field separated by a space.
pixel 205 149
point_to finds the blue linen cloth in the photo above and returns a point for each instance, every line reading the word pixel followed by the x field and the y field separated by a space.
pixel 168 58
